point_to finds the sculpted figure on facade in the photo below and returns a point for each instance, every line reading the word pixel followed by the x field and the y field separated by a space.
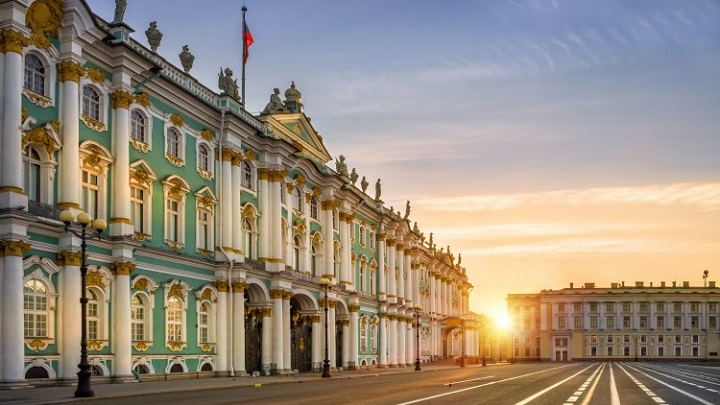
pixel 186 59
pixel 353 176
pixel 407 210
pixel 120 6
pixel 378 190
pixel 340 165
pixel 227 84
pixel 275 104
pixel 153 36
pixel 364 184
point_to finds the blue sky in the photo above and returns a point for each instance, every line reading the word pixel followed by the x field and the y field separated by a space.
pixel 612 104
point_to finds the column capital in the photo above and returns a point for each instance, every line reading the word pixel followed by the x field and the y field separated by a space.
pixel 329 205
pixel 353 307
pixel 263 173
pixel 239 286
pixel 221 285
pixel 266 312
pixel 122 99
pixel 68 258
pixel 391 242
pixel 277 176
pixel 286 295
pixel 122 268
pixel 70 71
pixel 227 154
pixel 277 294
pixel 14 41
pixel 13 247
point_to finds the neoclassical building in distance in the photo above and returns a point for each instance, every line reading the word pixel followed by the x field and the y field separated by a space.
pixel 669 321
pixel 221 223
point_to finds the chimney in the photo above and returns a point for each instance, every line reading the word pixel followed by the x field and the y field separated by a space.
pixel 639 284
pixel 674 283
pixel 589 285
pixel 686 284
pixel 623 284
pixel 711 284
pixel 613 285
pixel 662 284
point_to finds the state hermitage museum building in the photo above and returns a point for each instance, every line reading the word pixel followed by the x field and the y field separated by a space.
pixel 221 223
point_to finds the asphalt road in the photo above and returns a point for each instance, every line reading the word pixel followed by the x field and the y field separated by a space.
pixel 536 383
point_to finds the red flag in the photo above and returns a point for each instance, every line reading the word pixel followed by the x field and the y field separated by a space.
pixel 247 41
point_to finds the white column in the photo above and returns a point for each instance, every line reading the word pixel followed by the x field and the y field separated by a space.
pixel 276 239
pixel 382 276
pixel 278 336
pixel 238 320
pixel 401 335
pixel 346 344
pixel 221 346
pixel 12 317
pixel 226 204
pixel 120 223
pixel 400 258
pixel 331 335
pixel 69 314
pixel 318 349
pixel 392 341
pixel 410 279
pixel 267 346
pixel 410 341
pixel 265 214
pixel 328 269
pixel 236 221
pixel 382 346
pixel 2 109
pixel 2 277
pixel 392 285
pixel 346 248
pixel 287 361
pixel 305 260
pixel 11 182
pixel 69 73
pixel 354 335
pixel 122 337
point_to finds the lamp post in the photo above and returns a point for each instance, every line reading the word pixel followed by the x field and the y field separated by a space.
pixel 83 219
pixel 636 347
pixel 462 346
pixel 418 310
pixel 326 362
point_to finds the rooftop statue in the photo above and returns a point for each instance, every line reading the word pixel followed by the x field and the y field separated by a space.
pixel 275 104
pixel 364 184
pixel 407 210
pixel 378 190
pixel 120 6
pixel 186 59
pixel 340 165
pixel 292 99
pixel 353 176
pixel 227 84
pixel 153 36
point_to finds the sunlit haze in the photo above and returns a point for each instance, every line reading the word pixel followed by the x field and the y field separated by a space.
pixel 547 141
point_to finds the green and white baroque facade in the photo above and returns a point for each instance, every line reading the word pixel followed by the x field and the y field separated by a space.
pixel 221 224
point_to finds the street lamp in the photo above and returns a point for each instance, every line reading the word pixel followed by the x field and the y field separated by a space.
pixel 326 363
pixel 418 310
pixel 462 347
pixel 636 346
pixel 83 219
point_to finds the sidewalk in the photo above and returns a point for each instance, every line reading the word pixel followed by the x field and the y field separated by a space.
pixel 58 395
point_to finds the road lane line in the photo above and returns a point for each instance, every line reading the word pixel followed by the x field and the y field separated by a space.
pixel 472 379
pixel 537 394
pixel 614 397
pixel 687 394
pixel 481 385
pixel 590 392
pixel 651 394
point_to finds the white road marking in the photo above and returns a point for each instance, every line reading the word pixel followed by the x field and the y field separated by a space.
pixel 539 393
pixel 651 394
pixel 472 379
pixel 687 394
pixel 614 397
pixel 590 392
pixel 481 385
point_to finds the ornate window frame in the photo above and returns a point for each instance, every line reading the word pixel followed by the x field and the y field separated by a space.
pixel 205 203
pixel 206 298
pixel 205 163
pixel 98 281
pixel 95 159
pixel 47 98
pixel 247 175
pixel 175 190
pixel 99 124
pixel 42 274
pixel 176 290
pixel 145 144
pixel 248 226
pixel 145 286
pixel 142 177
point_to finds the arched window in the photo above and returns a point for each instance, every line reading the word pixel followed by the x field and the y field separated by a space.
pixel 174 320
pixel 35 309
pixel 313 260
pixel 137 127
pixel 363 271
pixel 248 240
pixel 138 317
pixel 297 198
pixel 91 103
pixel 206 333
pixel 296 253
pixel 313 208
pixel 32 172
pixel 137 203
pixel 247 178
pixel 361 238
pixel 374 334
pixel 173 143
pixel 363 334
pixel 203 158
pixel 34 74
pixel 93 315
pixel 372 282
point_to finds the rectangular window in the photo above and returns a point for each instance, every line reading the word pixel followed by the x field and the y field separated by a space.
pixel 712 306
pixel 173 220
pixel 643 322
pixel 593 307
pixel 137 203
pixel 696 338
pixel 712 322
pixel 561 323
pixel 694 306
pixel 626 322
pixel 660 306
pixel 694 322
pixel 660 322
pixel 678 339
pixel 561 307
pixel 593 322
pixel 643 307
pixel 610 307
pixel 610 338
pixel 626 307
pixel 90 193
pixel 578 322
pixel 661 338
pixel 610 321
pixel 677 306
pixel 578 307
pixel 204 230
pixel 677 322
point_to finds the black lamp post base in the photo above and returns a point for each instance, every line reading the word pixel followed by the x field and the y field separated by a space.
pixel 417 366
pixel 326 371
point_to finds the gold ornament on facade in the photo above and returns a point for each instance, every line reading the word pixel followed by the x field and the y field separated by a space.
pixel 206 134
pixel 177 188
pixel 143 99
pixel 227 154
pixel 221 285
pixel 44 17
pixel 98 77
pixel 141 284
pixel 120 98
pixel 316 238
pixel 94 159
pixel 263 173
pixel 68 258
pixel 36 99
pixel 139 146
pixel 141 177
pixel 250 154
pixel 140 346
pixel 277 175
pixel 354 308
pixel 308 197
pixel 39 136
pixel 206 347
pixel 14 247
pixel 206 202
pixel 122 268
pixel 276 294
pixel 174 160
pixel 96 344
pixel 177 120
pixel 290 188
pixel 248 212
pixel 236 159
pixel 300 180
pixel 287 295
pixel 70 71
pixel 316 191
pixel 266 312
pixel 95 125
pixel 239 287
pixel 329 205
pixel 14 41
pixel 176 291
pixel 36 344
pixel 176 346
pixel 95 279
pixel 300 226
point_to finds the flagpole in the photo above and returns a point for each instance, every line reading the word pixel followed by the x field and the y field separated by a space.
pixel 244 57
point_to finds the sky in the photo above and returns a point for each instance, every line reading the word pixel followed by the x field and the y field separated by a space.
pixel 548 141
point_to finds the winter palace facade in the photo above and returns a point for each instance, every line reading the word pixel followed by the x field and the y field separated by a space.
pixel 221 223
pixel 670 321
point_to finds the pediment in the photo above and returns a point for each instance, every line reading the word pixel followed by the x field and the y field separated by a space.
pixel 296 129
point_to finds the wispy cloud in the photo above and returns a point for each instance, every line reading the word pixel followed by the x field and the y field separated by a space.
pixel 595 246
pixel 703 195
